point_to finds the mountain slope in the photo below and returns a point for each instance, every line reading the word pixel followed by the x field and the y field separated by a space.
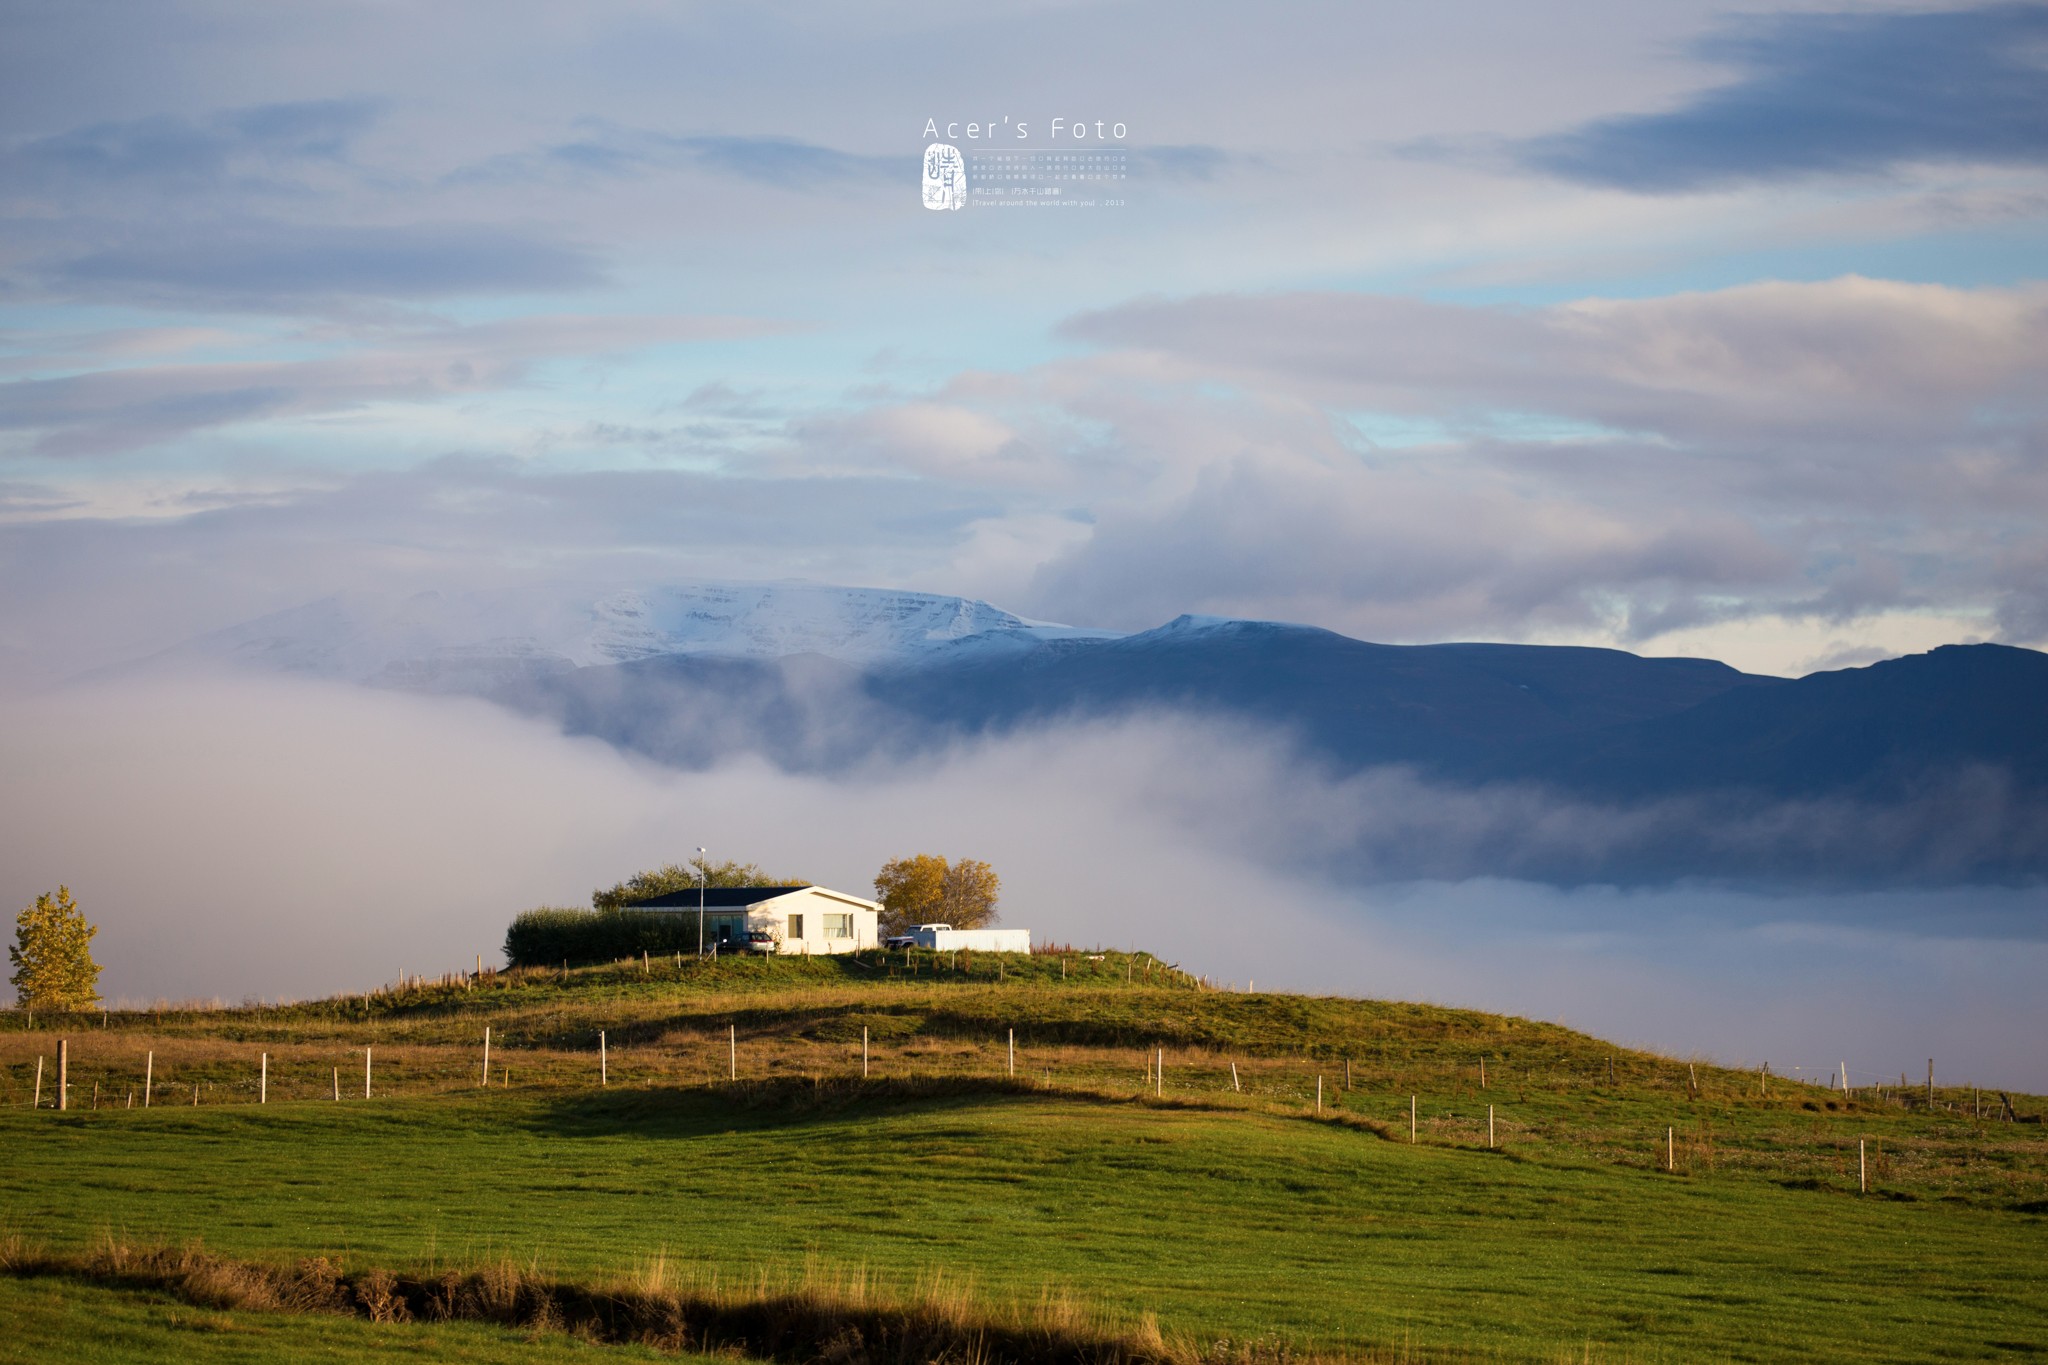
pixel 1874 731
pixel 1349 703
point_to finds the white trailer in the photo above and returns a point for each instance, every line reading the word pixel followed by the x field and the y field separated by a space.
pixel 944 938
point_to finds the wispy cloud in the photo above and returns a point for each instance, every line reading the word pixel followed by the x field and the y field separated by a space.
pixel 107 411
pixel 1831 94
pixel 273 266
pixel 264 146
pixel 602 150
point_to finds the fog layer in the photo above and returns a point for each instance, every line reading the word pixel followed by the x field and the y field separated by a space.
pixel 240 838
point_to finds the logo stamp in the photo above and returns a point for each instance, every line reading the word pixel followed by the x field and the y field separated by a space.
pixel 945 177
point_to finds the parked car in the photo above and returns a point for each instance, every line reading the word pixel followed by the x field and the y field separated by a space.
pixel 911 939
pixel 760 941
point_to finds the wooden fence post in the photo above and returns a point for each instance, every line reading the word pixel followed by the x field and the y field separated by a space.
pixel 1411 1118
pixel 1489 1127
pixel 1482 1073
pixel 604 1061
pixel 1862 1170
pixel 63 1073
pixel 263 1081
pixel 1234 1086
pixel 1319 1094
pixel 366 1073
pixel 37 1102
pixel 732 1045
pixel 1013 1053
pixel 337 1085
pixel 487 1056
pixel 1159 1074
pixel 1347 1073
pixel 1930 1085
pixel 1670 1149
pixel 148 1077
pixel 863 1051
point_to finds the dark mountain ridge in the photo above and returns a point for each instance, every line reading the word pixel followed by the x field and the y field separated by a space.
pixel 1561 764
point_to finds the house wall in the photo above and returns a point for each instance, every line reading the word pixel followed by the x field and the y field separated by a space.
pixel 810 907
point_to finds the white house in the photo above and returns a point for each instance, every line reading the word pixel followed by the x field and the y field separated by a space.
pixel 798 920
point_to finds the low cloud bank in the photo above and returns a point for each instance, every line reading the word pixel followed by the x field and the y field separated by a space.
pixel 240 837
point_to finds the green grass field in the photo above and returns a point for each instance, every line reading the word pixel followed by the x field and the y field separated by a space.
pixel 1231 1214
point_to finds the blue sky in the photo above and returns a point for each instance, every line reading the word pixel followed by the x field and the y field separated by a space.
pixel 1684 328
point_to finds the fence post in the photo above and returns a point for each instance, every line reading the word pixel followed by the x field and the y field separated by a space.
pixel 337 1085
pixel 1411 1118
pixel 604 1061
pixel 487 1056
pixel 1670 1150
pixel 1013 1052
pixel 863 1051
pixel 1489 1127
pixel 1319 1093
pixel 1862 1170
pixel 263 1081
pixel 1930 1085
pixel 1159 1074
pixel 148 1077
pixel 1235 1087
pixel 732 1045
pixel 37 1102
pixel 63 1073
pixel 366 1073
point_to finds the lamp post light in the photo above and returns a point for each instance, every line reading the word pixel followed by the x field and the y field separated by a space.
pixel 700 902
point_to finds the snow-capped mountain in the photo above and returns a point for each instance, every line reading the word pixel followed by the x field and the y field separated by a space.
pixel 470 640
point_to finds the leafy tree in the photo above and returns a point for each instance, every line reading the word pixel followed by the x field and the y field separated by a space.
pixel 683 877
pixel 52 956
pixel 969 901
pixel 926 889
pixel 911 891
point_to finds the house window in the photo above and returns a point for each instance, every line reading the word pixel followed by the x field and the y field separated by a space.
pixel 839 926
pixel 796 926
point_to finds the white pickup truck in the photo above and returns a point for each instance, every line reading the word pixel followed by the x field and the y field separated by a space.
pixel 944 938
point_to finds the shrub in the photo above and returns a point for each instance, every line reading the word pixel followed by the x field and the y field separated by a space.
pixel 550 935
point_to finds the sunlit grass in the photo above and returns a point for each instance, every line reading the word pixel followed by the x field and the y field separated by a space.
pixel 1226 1206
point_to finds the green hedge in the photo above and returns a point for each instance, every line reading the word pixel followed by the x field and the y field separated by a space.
pixel 549 936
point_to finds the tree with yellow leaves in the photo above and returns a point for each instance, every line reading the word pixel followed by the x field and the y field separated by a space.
pixel 926 889
pixel 52 956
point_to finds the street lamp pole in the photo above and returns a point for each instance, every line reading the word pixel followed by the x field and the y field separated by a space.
pixel 700 902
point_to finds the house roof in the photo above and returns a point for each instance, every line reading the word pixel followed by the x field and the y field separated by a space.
pixel 715 897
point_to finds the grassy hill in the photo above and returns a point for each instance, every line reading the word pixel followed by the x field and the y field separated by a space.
pixel 1085 1202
